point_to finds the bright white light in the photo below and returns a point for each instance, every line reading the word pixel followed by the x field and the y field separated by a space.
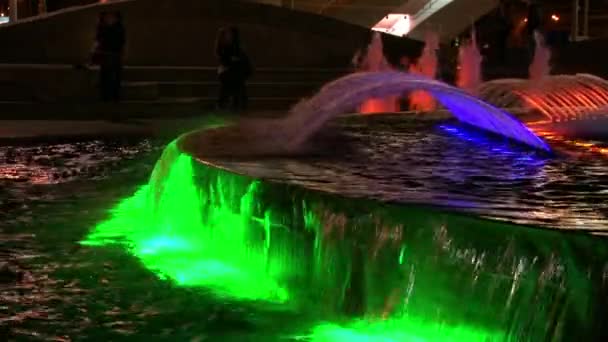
pixel 396 24
pixel 4 20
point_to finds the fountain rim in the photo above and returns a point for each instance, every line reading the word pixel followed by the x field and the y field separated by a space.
pixel 209 163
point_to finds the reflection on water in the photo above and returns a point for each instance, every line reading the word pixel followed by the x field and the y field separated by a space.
pixel 51 290
pixel 454 167
pixel 58 163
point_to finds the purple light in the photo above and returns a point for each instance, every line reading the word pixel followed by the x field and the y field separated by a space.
pixel 482 115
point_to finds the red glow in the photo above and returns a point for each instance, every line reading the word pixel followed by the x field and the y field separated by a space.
pixel 568 99
pixel 373 106
pixel 540 129
pixel 421 100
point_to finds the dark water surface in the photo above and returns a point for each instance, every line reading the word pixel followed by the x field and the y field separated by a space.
pixel 451 166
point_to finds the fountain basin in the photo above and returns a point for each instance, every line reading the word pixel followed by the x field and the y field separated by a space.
pixel 407 233
pixel 365 264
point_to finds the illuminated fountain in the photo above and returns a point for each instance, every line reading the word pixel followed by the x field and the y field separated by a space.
pixel 556 105
pixel 540 66
pixel 348 268
pixel 469 65
pixel 374 60
pixel 426 65
pixel 346 93
pixel 558 98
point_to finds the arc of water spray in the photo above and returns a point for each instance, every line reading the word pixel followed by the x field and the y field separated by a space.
pixel 348 92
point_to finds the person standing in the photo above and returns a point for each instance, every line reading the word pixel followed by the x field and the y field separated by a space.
pixel 233 71
pixel 108 53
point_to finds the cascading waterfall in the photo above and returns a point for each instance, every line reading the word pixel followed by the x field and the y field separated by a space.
pixel 354 270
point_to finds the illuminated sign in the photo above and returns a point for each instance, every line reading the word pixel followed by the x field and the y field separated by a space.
pixel 4 20
pixel 396 24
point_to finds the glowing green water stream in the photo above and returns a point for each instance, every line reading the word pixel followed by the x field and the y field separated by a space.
pixel 364 272
pixel 166 228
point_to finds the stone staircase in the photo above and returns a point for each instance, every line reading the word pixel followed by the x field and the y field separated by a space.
pixel 68 92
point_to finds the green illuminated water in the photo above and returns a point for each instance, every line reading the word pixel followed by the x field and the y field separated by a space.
pixel 164 225
pixel 358 270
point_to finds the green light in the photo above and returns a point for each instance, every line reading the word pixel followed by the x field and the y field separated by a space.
pixel 399 330
pixel 402 255
pixel 242 239
pixel 164 226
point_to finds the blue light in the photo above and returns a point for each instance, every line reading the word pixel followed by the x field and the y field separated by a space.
pixel 513 161
pixel 494 143
pixel 484 116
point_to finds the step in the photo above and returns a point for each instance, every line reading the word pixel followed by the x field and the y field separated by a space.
pixel 10 91
pixel 16 72
pixel 194 74
pixel 162 108
pixel 155 90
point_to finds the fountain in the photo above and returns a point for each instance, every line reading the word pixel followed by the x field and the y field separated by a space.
pixel 559 98
pixel 540 68
pixel 426 65
pixel 469 65
pixel 571 105
pixel 351 268
pixel 374 61
pixel 372 244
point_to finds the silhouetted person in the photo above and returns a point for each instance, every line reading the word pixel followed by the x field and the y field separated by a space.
pixel 108 54
pixel 234 69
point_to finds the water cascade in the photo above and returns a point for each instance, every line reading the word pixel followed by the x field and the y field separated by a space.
pixel 354 270
pixel 375 61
